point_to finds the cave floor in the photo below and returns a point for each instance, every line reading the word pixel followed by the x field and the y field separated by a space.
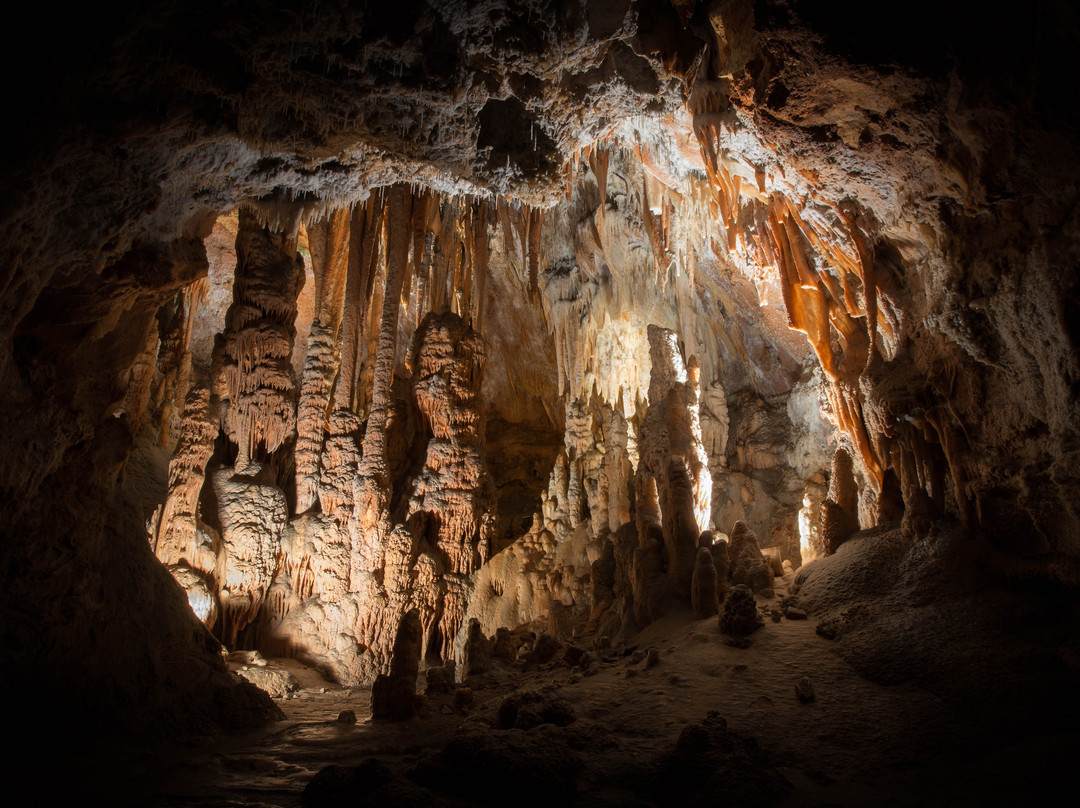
pixel 858 743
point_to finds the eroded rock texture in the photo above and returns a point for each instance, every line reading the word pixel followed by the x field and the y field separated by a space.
pixel 252 513
pixel 452 501
pixel 180 544
pixel 423 508
pixel 673 466
pixel 839 512
pixel 329 241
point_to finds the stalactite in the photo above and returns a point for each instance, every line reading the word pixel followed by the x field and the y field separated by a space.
pixel 652 229
pixel 327 571
pixel 480 260
pixel 329 240
pixel 535 222
pixel 815 298
pixel 868 276
pixel 423 282
pixel 256 380
pixel 598 162
pixel 370 336
pixel 370 525
pixel 617 468
pixel 439 300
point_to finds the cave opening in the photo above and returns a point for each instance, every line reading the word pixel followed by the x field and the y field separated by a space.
pixel 630 401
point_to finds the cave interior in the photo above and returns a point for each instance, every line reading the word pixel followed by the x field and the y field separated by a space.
pixel 600 402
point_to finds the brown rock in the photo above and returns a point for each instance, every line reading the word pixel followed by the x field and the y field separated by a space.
pixel 840 512
pixel 477 654
pixel 739 618
pixel 703 591
pixel 748 566
pixel 393 695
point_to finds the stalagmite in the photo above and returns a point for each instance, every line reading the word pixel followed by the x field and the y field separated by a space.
pixel 839 515
pixel 452 433
pixel 704 591
pixel 739 618
pixel 393 695
pixel 811 544
pixel 452 500
pixel 477 650
pixel 320 366
pixel 722 562
pixel 747 565
pixel 602 582
pixel 255 383
pixel 453 493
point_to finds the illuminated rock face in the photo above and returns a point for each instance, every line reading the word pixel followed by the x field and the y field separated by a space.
pixel 252 514
pixel 452 494
pixel 178 542
pixel 329 242
pixel 699 249
pixel 386 555
pixel 673 462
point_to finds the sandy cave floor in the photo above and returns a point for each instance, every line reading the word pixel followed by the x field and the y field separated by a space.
pixel 858 743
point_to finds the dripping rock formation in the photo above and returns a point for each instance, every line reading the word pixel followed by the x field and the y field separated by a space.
pixel 620 366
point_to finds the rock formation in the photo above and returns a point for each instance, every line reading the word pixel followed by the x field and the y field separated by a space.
pixel 839 513
pixel 746 564
pixel 254 379
pixel 179 543
pixel 704 591
pixel 739 618
pixel 393 695
pixel 329 242
pixel 673 463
